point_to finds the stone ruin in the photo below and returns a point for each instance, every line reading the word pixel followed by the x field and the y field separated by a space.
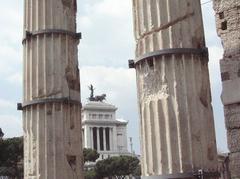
pixel 228 28
pixel 176 119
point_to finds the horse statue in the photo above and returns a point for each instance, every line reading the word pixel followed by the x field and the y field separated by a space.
pixel 95 98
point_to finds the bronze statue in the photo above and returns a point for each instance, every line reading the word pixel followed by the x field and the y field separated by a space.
pixel 91 98
pixel 95 98
pixel 1 133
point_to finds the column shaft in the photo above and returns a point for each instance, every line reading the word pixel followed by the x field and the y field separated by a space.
pixel 104 139
pixel 91 138
pixel 98 139
pixel 52 127
pixel 111 138
pixel 176 119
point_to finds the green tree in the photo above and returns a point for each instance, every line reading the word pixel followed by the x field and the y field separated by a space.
pixel 90 174
pixel 11 157
pixel 90 155
pixel 118 167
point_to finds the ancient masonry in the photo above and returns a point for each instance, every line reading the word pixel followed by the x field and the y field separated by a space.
pixel 51 105
pixel 177 127
pixel 228 28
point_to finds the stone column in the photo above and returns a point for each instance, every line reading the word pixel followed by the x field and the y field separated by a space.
pixel 91 137
pixel 104 139
pixel 111 138
pixel 176 118
pixel 228 25
pixel 114 138
pixel 88 137
pixel 98 139
pixel 51 103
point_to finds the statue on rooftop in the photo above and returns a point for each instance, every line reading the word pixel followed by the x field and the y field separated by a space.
pixel 92 92
pixel 1 133
pixel 95 98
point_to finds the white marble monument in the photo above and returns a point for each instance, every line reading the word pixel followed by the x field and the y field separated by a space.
pixel 102 131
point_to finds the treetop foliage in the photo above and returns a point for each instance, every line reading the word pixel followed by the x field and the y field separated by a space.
pixel 117 167
pixel 90 155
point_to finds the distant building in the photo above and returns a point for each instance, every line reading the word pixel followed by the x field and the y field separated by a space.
pixel 102 131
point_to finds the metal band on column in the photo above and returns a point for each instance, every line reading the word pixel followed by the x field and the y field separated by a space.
pixel 28 34
pixel 172 51
pixel 20 106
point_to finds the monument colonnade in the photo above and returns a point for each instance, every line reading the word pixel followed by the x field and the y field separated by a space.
pixel 105 143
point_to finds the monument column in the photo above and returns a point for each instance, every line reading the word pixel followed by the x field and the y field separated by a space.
pixel 176 118
pixel 51 103
pixel 91 138
pixel 111 138
pixel 228 25
pixel 114 138
pixel 104 139
pixel 98 139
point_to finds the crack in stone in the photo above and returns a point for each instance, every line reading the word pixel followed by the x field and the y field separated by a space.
pixel 167 25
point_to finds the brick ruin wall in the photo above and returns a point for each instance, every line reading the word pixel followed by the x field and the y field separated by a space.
pixel 228 28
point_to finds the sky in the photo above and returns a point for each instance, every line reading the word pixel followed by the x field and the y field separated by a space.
pixel 107 44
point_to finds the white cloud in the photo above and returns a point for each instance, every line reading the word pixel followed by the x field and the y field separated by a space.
pixel 11 125
pixel 15 79
pixel 6 104
pixel 113 8
pixel 85 21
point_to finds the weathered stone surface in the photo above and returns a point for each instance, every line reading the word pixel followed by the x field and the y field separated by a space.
pixel 235 165
pixel 52 131
pixel 228 28
pixel 232 116
pixel 228 25
pixel 176 121
pixel 232 67
pixel 230 91
pixel 233 136
pixel 230 73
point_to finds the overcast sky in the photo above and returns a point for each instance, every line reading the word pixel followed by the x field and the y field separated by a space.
pixel 107 44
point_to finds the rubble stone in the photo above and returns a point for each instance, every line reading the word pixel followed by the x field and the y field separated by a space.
pixel 228 28
pixel 233 136
pixel 235 165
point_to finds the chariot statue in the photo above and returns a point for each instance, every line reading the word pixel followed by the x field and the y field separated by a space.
pixel 100 98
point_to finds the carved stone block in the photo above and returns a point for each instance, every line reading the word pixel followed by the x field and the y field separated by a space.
pixel 235 165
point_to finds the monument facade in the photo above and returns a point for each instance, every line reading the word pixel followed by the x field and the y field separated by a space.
pixel 101 130
pixel 228 28
pixel 176 118
pixel 51 103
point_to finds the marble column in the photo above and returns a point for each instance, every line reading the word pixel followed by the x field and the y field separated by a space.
pixel 98 139
pixel 88 137
pixel 91 137
pixel 111 138
pixel 51 103
pixel 176 118
pixel 114 134
pixel 104 139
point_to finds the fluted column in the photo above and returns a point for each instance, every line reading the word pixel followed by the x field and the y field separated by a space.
pixel 98 139
pixel 111 138
pixel 176 118
pixel 51 103
pixel 91 137
pixel 104 139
